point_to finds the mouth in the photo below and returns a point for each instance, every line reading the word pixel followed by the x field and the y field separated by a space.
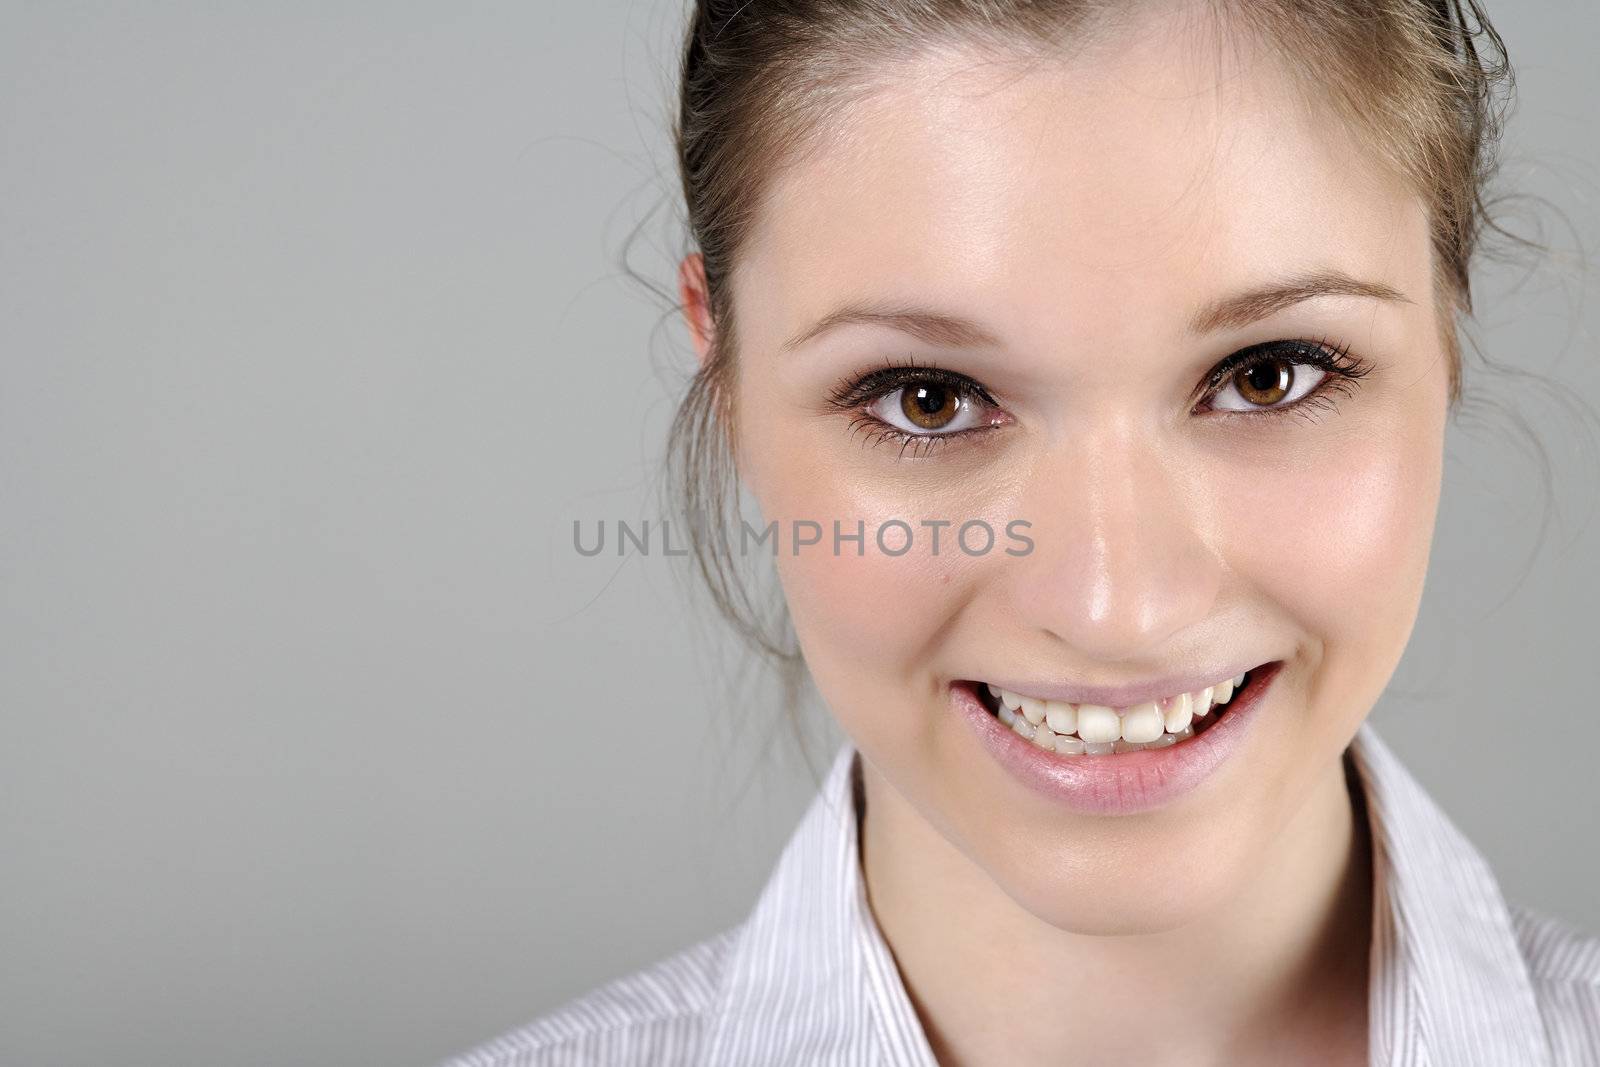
pixel 1098 760
pixel 1095 730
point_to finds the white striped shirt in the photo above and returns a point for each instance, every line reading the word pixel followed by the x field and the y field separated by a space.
pixel 1458 976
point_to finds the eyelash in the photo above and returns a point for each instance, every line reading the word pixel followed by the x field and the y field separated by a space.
pixel 855 394
pixel 1342 370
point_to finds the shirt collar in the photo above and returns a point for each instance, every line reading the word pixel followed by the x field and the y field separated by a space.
pixel 810 978
pixel 1449 983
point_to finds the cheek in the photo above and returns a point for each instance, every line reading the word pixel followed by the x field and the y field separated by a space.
pixel 868 615
pixel 873 605
pixel 1341 547
pixel 853 603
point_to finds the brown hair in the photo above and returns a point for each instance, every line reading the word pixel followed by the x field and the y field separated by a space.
pixel 1427 82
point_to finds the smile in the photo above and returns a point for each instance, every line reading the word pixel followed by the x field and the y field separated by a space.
pixel 1139 761
pixel 1096 730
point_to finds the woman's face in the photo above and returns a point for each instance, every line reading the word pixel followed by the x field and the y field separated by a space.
pixel 1101 223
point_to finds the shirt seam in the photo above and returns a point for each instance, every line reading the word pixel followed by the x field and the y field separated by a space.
pixel 529 1044
pixel 1567 980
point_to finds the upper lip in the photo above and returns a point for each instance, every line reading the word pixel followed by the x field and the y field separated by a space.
pixel 1121 696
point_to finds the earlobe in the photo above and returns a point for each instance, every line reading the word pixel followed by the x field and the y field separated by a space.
pixel 695 301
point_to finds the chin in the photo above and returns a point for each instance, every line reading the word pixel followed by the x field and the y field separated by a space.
pixel 1135 883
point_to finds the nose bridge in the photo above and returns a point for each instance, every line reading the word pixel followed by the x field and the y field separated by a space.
pixel 1121 559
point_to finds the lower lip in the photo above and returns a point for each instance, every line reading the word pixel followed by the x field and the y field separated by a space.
pixel 1119 783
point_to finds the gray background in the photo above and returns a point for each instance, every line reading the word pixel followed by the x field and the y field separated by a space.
pixel 318 742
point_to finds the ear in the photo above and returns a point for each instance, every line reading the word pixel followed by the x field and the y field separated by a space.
pixel 696 302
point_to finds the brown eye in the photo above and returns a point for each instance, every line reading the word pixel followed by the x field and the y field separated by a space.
pixel 929 405
pixel 1265 382
pixel 914 402
pixel 1279 375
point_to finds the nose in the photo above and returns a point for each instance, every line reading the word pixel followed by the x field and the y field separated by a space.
pixel 1122 558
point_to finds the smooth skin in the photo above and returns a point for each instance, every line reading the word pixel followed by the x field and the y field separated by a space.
pixel 1082 210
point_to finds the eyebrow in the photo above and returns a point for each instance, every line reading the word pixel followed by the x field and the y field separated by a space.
pixel 1233 312
pixel 936 328
pixel 1229 313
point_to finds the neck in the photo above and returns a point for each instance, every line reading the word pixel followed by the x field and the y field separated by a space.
pixel 1276 973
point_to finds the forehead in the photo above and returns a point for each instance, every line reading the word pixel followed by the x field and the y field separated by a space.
pixel 1166 164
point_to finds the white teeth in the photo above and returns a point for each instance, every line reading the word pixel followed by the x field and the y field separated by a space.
pixel 1095 729
pixel 1179 714
pixel 1063 718
pixel 1142 723
pixel 1098 723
